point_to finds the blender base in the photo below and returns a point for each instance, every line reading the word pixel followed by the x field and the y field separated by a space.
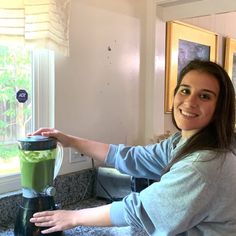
pixel 23 227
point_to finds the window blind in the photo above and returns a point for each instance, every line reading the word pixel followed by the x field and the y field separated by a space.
pixel 36 23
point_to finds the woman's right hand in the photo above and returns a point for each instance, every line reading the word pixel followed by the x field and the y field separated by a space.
pixel 96 150
pixel 51 132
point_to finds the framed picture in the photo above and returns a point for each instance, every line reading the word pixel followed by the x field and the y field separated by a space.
pixel 230 59
pixel 184 43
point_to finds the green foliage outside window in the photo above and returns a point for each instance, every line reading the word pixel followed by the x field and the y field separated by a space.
pixel 15 117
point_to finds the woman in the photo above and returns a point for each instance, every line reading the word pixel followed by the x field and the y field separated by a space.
pixel 196 166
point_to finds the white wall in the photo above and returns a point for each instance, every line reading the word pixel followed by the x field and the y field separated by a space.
pixel 111 88
pixel 99 88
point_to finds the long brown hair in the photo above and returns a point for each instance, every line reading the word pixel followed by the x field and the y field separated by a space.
pixel 218 134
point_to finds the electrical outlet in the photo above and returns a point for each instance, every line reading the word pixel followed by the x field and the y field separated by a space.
pixel 76 156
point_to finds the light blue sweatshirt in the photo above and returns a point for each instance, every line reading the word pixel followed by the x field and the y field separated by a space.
pixel 196 197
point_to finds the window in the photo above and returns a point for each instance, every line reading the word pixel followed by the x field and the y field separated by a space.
pixel 15 117
pixel 32 71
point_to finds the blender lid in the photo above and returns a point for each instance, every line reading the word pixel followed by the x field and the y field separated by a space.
pixel 37 142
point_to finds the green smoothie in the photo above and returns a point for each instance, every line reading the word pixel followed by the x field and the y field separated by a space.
pixel 37 168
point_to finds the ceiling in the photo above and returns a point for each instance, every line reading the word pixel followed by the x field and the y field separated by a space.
pixel 180 9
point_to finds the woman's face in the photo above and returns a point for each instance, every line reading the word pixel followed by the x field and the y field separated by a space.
pixel 195 102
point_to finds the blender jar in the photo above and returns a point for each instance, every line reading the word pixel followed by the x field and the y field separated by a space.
pixel 38 155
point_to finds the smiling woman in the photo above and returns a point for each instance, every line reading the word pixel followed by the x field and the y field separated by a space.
pixel 195 167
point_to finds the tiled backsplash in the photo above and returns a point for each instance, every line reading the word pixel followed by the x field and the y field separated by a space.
pixel 70 188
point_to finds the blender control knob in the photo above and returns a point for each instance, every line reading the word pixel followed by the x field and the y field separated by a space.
pixel 51 191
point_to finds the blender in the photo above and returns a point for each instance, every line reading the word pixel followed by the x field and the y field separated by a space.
pixel 40 161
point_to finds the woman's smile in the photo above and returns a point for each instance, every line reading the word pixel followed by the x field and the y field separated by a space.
pixel 188 115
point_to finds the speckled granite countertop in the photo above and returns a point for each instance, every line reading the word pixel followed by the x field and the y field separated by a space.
pixel 89 231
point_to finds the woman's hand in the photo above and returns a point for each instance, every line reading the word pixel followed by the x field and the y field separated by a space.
pixel 60 220
pixel 64 139
pixel 96 150
pixel 57 220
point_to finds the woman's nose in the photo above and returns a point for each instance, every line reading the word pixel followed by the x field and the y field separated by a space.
pixel 192 100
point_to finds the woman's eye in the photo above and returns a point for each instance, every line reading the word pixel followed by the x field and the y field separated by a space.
pixel 185 91
pixel 205 96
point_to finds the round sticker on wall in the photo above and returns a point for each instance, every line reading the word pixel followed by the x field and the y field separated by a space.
pixel 22 96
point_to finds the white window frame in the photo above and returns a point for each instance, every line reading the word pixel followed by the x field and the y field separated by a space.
pixel 43 73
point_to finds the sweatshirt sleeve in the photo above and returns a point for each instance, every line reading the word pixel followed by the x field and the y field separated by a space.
pixel 141 161
pixel 175 204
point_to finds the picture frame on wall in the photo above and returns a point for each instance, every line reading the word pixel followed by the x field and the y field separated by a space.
pixel 184 43
pixel 230 59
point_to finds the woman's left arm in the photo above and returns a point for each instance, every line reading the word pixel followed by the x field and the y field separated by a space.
pixel 178 202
